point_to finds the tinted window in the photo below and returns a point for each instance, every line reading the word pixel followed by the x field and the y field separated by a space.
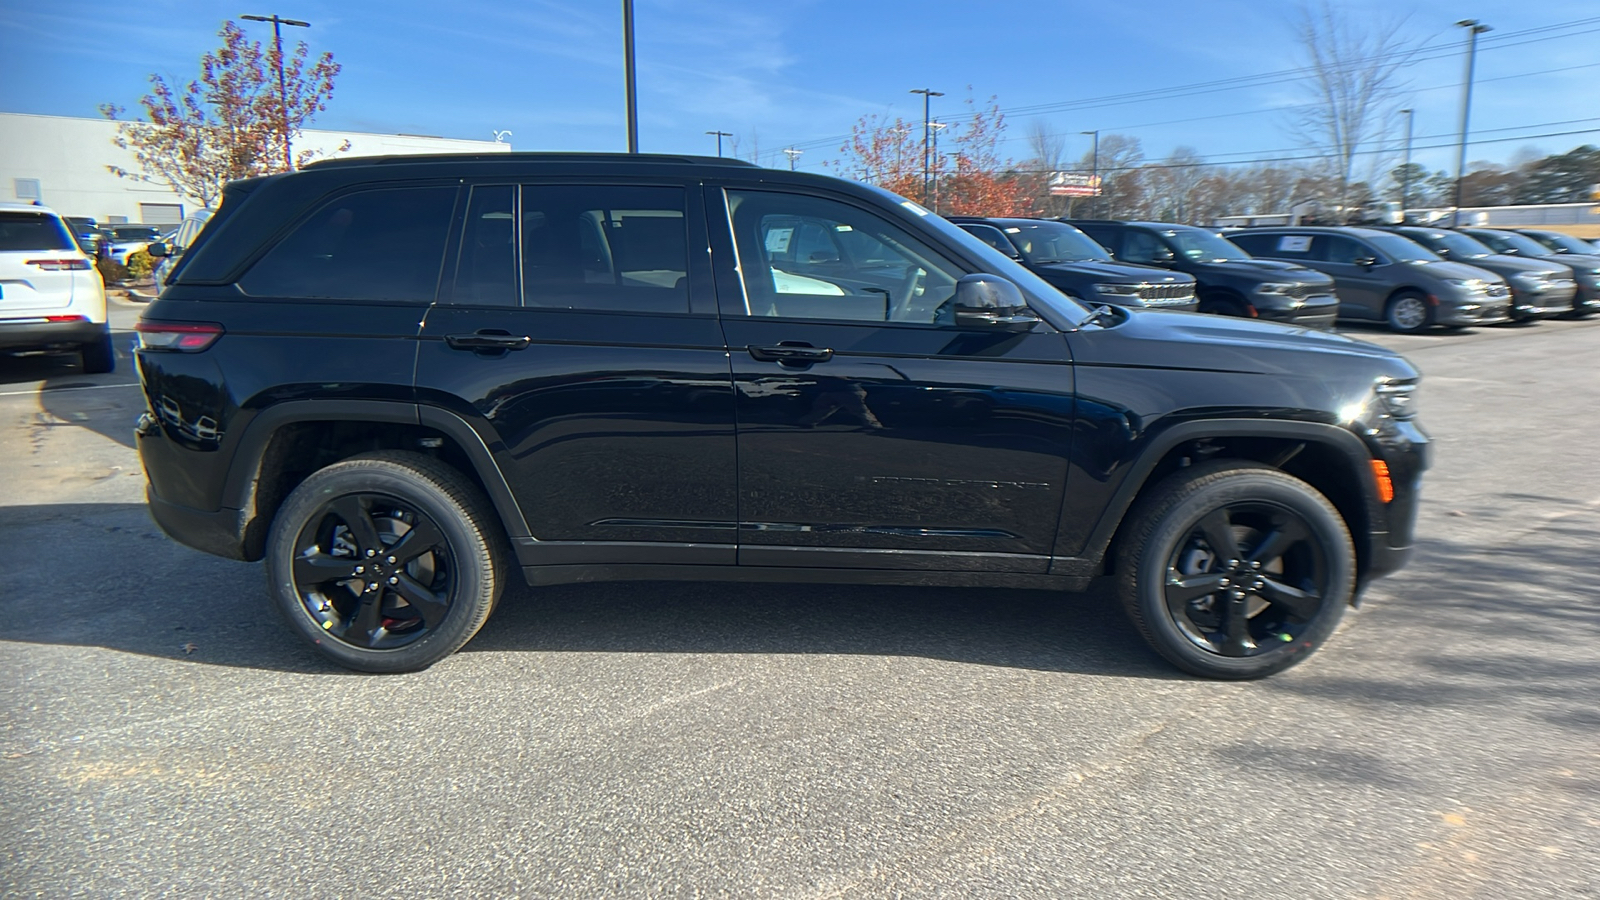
pixel 1140 246
pixel 487 271
pixel 370 245
pixel 1203 245
pixel 605 248
pixel 1402 249
pixel 879 274
pixel 32 231
pixel 990 235
pixel 1274 246
pixel 1043 243
pixel 1335 249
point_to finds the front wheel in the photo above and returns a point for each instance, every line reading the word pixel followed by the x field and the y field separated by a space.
pixel 1408 313
pixel 386 562
pixel 1235 571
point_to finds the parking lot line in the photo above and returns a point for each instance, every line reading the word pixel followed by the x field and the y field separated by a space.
pixel 86 387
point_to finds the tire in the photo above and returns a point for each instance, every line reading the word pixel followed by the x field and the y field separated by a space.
pixel 1292 578
pixel 100 357
pixel 1408 312
pixel 329 566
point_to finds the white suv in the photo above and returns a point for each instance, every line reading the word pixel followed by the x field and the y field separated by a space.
pixel 51 294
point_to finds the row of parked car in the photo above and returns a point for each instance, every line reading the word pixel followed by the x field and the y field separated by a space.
pixel 1409 277
pixel 114 242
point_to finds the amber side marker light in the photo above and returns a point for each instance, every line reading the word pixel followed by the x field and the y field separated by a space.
pixel 1380 474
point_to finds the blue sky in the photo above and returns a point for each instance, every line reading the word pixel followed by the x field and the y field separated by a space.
pixel 801 72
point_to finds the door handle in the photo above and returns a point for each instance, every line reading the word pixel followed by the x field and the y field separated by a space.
pixel 792 353
pixel 487 340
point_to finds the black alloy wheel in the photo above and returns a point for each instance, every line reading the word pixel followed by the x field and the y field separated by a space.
pixel 387 562
pixel 1236 571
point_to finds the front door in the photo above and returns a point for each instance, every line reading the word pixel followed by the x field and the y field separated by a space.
pixel 873 433
pixel 579 337
pixel 1363 290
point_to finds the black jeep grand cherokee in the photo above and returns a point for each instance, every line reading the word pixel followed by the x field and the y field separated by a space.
pixel 400 380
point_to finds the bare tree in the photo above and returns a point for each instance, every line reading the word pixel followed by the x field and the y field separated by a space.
pixel 1049 155
pixel 1353 79
pixel 1173 183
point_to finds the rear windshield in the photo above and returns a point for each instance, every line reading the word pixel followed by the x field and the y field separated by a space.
pixel 33 231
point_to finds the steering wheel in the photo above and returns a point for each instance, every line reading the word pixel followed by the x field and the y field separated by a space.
pixel 908 292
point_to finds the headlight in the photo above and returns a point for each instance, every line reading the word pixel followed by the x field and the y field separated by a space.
pixel 1397 399
pixel 1121 290
pixel 1275 288
pixel 1530 280
pixel 1475 285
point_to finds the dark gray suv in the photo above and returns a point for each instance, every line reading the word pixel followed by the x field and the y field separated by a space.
pixel 1387 278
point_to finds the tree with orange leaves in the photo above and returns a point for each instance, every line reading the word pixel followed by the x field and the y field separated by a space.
pixel 972 180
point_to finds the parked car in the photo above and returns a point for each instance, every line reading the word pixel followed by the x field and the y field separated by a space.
pixel 51 297
pixel 1585 269
pixel 125 239
pixel 87 233
pixel 401 380
pixel 173 246
pixel 1387 278
pixel 1538 288
pixel 1229 280
pixel 1072 262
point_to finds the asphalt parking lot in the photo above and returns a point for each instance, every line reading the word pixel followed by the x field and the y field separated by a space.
pixel 164 735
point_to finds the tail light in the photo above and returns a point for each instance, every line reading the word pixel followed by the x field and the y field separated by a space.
pixel 60 265
pixel 184 337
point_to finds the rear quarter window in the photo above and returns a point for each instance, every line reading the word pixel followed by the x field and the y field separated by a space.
pixel 383 244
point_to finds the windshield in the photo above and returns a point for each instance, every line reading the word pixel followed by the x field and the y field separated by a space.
pixel 1044 243
pixel 1401 249
pixel 1511 242
pixel 1203 246
pixel 1559 242
pixel 1459 245
pixel 134 232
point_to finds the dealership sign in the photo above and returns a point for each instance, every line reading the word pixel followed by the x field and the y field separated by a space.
pixel 1071 184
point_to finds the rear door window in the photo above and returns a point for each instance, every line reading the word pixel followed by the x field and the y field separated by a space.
pixel 383 245
pixel 605 247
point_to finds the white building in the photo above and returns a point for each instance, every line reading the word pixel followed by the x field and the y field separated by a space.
pixel 62 162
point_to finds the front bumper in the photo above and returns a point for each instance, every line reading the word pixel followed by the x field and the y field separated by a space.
pixel 39 334
pixel 1538 304
pixel 1473 310
pixel 1319 311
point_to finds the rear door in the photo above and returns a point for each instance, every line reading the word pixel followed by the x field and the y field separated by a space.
pixel 873 433
pixel 578 335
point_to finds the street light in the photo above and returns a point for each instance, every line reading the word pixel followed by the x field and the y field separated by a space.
pixel 927 98
pixel 1094 172
pixel 1474 28
pixel 720 135
pixel 283 89
pixel 937 127
pixel 628 76
pixel 793 154
pixel 1405 170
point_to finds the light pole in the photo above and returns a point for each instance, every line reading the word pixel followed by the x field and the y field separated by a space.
pixel 1405 168
pixel 937 127
pixel 793 155
pixel 628 75
pixel 283 89
pixel 927 98
pixel 720 135
pixel 1094 170
pixel 1474 28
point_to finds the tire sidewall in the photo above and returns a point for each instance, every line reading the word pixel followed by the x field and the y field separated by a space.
pixel 460 622
pixel 1245 486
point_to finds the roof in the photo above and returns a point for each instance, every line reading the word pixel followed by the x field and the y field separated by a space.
pixel 503 158
pixel 14 206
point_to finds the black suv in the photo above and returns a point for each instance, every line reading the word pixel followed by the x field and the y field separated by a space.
pixel 1076 265
pixel 1230 281
pixel 400 380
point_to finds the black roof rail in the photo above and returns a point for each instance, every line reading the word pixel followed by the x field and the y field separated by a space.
pixel 426 158
pixel 1101 221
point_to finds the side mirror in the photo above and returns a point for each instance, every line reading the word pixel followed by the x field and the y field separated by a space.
pixel 1366 262
pixel 989 301
pixel 1162 255
pixel 157 250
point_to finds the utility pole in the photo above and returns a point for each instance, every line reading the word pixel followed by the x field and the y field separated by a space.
pixel 1474 28
pixel 937 127
pixel 628 75
pixel 793 154
pixel 1094 172
pixel 720 135
pixel 1405 169
pixel 283 88
pixel 927 98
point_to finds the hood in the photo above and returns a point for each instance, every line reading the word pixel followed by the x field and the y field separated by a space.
pixel 1123 273
pixel 1461 271
pixel 1500 264
pixel 1580 261
pixel 1169 339
pixel 1266 269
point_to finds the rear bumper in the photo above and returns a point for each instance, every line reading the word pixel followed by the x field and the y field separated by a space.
pixel 217 533
pixel 36 334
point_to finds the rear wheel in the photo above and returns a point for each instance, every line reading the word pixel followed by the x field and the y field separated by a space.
pixel 1235 571
pixel 387 562
pixel 99 357
pixel 1408 313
